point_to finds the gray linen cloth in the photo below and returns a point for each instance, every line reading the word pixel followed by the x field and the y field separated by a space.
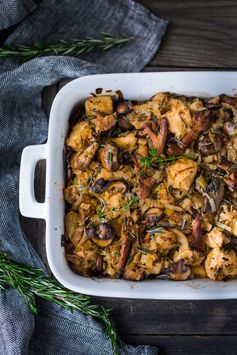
pixel 23 122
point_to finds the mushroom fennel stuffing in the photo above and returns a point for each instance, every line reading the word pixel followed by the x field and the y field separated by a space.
pixel 151 188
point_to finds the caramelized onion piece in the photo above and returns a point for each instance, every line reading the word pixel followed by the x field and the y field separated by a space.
pixel 196 241
pixel 145 186
pixel 82 160
pixel 124 123
pixel 135 164
pixel 127 238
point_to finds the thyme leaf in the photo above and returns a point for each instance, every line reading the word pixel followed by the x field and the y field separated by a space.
pixel 158 160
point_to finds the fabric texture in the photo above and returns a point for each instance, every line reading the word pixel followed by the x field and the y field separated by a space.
pixel 13 11
pixel 23 122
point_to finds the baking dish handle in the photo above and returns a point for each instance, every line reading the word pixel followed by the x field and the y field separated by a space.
pixel 29 207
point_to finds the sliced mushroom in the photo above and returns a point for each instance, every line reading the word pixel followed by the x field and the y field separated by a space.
pixel 232 101
pixel 99 264
pixel 231 128
pixel 110 156
pixel 101 185
pixel 180 271
pixel 135 164
pixel 145 186
pixel 213 196
pixel 228 113
pixel 152 217
pixel 82 160
pixel 123 107
pixel 175 149
pixel 210 144
pixel 201 122
pixel 102 235
pixel 124 123
pixel 158 139
pixel 196 240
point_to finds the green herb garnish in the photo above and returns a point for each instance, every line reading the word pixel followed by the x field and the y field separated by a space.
pixel 101 212
pixel 154 159
pixel 130 203
pixel 158 160
pixel 125 207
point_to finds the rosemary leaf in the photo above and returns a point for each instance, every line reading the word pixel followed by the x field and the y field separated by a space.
pixel 104 42
pixel 155 230
pixel 31 282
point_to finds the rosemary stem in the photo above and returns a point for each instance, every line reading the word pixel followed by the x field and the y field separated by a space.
pixel 75 47
pixel 31 282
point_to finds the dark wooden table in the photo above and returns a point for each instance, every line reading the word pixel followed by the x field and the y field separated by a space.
pixel 201 35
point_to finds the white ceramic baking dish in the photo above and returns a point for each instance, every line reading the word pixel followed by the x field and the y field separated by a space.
pixel 137 87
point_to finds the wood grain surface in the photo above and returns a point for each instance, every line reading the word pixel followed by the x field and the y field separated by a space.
pixel 201 35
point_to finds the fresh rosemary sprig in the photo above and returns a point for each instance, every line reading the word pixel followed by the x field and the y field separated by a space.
pixel 31 282
pixel 104 42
